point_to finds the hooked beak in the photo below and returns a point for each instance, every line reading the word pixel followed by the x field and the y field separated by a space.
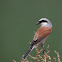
pixel 37 23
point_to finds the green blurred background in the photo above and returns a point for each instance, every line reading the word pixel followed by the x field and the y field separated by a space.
pixel 18 22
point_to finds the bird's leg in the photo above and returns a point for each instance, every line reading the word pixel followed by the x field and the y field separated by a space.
pixel 43 48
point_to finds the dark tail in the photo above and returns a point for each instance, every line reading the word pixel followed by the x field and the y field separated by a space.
pixel 30 49
pixel 27 53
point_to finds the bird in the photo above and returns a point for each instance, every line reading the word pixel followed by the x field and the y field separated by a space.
pixel 40 35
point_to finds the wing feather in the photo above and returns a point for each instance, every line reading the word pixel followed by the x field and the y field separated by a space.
pixel 42 32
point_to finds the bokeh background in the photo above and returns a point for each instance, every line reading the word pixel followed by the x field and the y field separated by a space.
pixel 18 22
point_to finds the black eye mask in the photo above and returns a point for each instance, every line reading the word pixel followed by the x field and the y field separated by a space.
pixel 42 21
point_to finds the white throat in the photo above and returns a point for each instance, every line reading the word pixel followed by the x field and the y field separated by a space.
pixel 43 24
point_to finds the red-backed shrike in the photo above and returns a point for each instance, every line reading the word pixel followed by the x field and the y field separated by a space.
pixel 41 34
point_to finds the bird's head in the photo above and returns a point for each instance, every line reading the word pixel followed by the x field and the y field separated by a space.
pixel 44 22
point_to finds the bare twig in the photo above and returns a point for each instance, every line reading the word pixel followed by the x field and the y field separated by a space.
pixel 14 61
pixel 54 59
pixel 42 57
pixel 58 56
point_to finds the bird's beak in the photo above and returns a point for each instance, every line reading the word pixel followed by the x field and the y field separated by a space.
pixel 37 23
